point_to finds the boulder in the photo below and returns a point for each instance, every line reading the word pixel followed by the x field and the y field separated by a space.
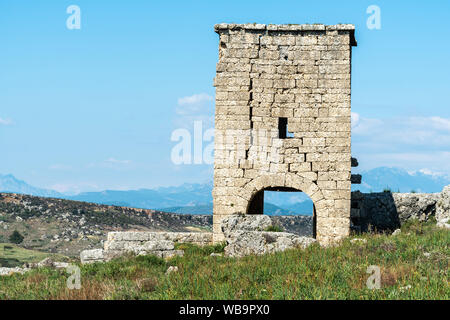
pixel 245 235
pixel 443 209
pixel 245 222
pixel 91 256
pixel 242 242
pixel 415 206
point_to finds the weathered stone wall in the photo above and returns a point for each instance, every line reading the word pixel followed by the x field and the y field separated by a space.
pixel 386 211
pixel 283 120
pixel 161 244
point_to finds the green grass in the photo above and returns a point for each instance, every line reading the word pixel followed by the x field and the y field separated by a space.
pixel 12 255
pixel 274 229
pixel 417 257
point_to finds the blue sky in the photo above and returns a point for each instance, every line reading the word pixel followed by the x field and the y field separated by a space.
pixel 94 108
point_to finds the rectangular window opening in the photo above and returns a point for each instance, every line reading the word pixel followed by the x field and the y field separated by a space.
pixel 283 132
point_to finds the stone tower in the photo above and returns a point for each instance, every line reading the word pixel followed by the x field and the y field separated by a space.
pixel 283 120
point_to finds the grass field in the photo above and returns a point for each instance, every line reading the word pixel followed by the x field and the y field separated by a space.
pixel 414 265
pixel 12 255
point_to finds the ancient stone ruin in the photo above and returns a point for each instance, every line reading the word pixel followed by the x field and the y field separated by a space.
pixel 283 121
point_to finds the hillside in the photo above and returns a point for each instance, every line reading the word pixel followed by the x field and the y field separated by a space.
pixel 15 256
pixel 67 227
pixel 413 265
pixel 196 198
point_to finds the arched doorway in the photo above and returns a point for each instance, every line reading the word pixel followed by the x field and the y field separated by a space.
pixel 288 206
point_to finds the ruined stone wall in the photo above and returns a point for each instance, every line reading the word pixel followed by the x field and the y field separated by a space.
pixel 283 120
pixel 387 211
pixel 160 244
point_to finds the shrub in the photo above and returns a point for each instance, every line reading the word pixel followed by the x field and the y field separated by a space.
pixel 274 229
pixel 16 237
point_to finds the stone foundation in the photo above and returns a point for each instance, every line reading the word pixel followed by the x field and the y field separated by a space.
pixel 160 244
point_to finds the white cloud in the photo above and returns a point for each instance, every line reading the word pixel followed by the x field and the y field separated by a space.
pixel 440 123
pixel 6 122
pixel 416 131
pixel 361 125
pixel 412 143
pixel 195 99
pixel 355 119
pixel 198 107
pixel 428 172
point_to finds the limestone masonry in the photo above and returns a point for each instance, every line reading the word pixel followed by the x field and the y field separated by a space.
pixel 283 120
pixel 160 244
pixel 245 235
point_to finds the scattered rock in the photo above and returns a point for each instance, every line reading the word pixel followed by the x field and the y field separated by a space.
pixel 215 254
pixel 403 289
pixel 47 262
pixel 397 232
pixel 60 265
pixel 11 271
pixel 171 269
pixel 19 219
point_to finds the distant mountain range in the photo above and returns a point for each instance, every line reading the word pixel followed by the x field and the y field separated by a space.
pixel 303 208
pixel 197 198
pixel 9 183
pixel 399 180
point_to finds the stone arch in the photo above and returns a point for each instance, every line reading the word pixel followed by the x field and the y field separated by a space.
pixel 287 180
pixel 284 182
